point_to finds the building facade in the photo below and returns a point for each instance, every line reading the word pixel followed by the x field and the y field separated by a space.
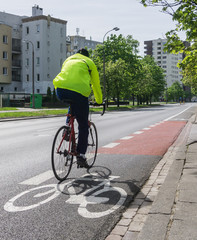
pixel 74 43
pixel 21 37
pixel 10 48
pixel 167 61
pixel 45 38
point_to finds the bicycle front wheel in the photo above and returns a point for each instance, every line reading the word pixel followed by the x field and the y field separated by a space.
pixel 91 152
pixel 61 158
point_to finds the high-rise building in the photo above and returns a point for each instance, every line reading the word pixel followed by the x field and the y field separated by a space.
pixel 10 52
pixel 74 43
pixel 45 37
pixel 21 37
pixel 167 61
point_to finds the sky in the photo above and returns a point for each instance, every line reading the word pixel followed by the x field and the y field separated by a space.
pixel 95 17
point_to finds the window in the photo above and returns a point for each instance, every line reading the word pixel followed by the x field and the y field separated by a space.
pixel 27 30
pixel 38 90
pixel 61 47
pixel 5 39
pixel 1 89
pixel 15 89
pixel 27 45
pixel 38 77
pixel 5 71
pixel 27 77
pixel 61 32
pixel 38 44
pixel 37 28
pixel 27 61
pixel 5 55
pixel 37 60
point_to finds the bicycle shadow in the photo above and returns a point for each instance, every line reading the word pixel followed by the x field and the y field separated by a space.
pixel 97 180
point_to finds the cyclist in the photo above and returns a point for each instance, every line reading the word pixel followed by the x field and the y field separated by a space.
pixel 73 82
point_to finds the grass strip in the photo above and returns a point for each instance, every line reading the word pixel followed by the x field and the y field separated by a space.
pixel 32 113
pixel 43 112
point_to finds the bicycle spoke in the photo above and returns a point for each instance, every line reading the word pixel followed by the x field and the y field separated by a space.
pixel 61 159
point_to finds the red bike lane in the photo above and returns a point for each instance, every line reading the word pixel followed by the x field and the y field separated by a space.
pixel 154 140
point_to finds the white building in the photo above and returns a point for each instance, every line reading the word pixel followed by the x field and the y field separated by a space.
pixel 42 35
pixel 76 42
pixel 46 38
pixel 165 60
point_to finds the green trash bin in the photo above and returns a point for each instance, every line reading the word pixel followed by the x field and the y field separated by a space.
pixel 37 100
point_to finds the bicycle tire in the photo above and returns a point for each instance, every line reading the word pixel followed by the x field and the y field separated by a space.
pixel 61 161
pixel 92 148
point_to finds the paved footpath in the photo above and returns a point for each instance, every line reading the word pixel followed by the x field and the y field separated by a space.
pixel 166 206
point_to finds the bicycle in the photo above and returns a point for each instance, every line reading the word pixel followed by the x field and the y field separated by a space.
pixel 64 147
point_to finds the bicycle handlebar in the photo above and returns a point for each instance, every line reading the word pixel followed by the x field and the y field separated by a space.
pixel 102 104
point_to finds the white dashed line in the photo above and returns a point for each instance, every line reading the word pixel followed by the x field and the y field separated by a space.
pixel 138 132
pixel 39 178
pixel 146 129
pixel 111 145
pixel 127 137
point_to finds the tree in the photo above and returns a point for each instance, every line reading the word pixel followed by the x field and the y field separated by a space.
pixel 152 81
pixel 184 12
pixel 118 83
pixel 117 48
pixel 175 92
pixel 49 94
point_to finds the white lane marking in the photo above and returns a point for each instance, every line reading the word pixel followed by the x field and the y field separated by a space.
pixel 127 137
pixel 152 126
pixel 167 119
pixel 43 177
pixel 111 145
pixel 146 129
pixel 138 132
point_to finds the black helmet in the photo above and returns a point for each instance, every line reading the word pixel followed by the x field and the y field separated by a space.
pixel 84 52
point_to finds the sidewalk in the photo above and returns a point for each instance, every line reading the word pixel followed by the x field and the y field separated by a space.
pixel 166 206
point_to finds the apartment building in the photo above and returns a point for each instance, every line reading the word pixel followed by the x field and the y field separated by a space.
pixel 45 38
pixel 167 61
pixel 74 43
pixel 21 37
pixel 10 53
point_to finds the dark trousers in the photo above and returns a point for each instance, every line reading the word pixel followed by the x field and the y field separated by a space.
pixel 80 109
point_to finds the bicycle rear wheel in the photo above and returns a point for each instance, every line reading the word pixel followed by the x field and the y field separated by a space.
pixel 61 159
pixel 91 152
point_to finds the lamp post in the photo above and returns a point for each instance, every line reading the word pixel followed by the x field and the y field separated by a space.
pixel 33 93
pixel 104 81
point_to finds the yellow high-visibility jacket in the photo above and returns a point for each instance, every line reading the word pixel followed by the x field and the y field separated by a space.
pixel 79 74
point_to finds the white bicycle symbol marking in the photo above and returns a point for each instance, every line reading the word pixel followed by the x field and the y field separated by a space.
pixel 82 199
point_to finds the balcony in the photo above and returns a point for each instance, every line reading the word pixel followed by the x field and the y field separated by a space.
pixel 16 64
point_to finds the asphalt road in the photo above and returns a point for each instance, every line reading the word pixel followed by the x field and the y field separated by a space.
pixel 87 205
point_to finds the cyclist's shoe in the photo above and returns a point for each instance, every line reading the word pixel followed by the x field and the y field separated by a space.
pixel 66 133
pixel 81 162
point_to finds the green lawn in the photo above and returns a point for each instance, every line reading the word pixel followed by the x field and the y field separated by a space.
pixel 47 112
pixel 8 108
